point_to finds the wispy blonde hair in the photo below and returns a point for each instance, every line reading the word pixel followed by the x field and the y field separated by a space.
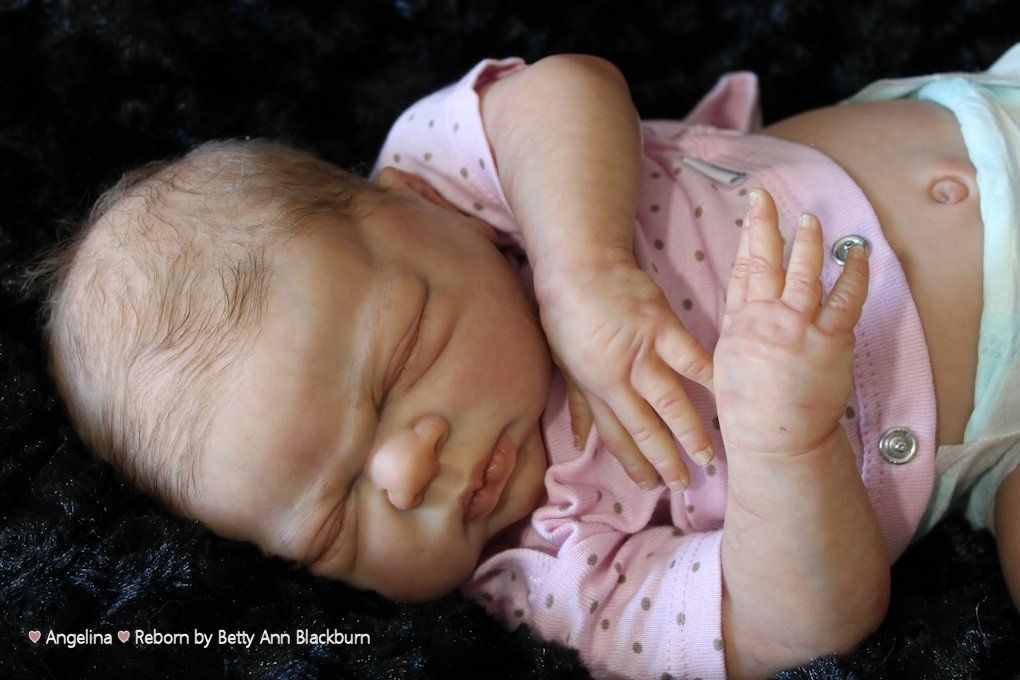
pixel 163 287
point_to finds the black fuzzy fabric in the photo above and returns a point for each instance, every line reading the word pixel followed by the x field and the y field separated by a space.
pixel 89 89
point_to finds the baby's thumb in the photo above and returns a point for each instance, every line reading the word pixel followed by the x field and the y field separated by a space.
pixel 580 413
pixel 581 418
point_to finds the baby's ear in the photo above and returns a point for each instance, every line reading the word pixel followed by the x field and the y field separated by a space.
pixel 396 179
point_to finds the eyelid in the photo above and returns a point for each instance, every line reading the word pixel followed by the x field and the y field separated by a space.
pixel 412 351
pixel 337 527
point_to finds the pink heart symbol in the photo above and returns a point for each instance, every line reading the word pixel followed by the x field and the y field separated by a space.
pixel 34 635
pixel 123 635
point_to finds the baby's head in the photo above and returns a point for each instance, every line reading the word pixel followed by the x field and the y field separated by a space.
pixel 306 360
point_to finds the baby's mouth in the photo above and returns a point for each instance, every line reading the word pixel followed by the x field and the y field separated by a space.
pixel 488 480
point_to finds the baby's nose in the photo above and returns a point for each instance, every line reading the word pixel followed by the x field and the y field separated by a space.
pixel 407 462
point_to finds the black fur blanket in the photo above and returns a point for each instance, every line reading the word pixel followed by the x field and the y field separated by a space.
pixel 90 88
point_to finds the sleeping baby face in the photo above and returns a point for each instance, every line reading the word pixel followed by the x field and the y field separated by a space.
pixel 386 423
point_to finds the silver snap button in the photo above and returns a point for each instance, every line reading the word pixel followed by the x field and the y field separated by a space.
pixel 842 247
pixel 898 445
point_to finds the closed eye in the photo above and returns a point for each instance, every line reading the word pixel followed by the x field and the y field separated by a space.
pixel 336 526
pixel 411 353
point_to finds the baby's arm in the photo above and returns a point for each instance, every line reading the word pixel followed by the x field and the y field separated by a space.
pixel 1007 532
pixel 566 139
pixel 804 563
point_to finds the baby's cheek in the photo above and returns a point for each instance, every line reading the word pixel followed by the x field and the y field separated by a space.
pixel 419 539
pixel 421 568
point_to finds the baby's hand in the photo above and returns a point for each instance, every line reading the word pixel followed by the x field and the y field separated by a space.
pixel 620 347
pixel 784 364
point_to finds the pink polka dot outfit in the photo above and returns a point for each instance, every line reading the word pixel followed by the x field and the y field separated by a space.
pixel 632 578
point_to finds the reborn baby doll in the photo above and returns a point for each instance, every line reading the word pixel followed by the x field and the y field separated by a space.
pixel 393 382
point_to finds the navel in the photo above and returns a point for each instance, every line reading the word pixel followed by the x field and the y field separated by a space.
pixel 948 190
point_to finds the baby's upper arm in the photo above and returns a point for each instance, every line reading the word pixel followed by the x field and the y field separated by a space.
pixel 1007 530
pixel 556 69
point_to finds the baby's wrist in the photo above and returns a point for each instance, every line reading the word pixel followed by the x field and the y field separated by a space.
pixel 833 443
pixel 567 270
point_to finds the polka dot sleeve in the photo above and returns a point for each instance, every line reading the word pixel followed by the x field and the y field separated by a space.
pixel 646 605
pixel 441 139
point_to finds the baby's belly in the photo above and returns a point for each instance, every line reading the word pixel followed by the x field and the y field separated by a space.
pixel 909 158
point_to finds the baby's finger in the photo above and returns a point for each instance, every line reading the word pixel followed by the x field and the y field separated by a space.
pixel 648 431
pixel 736 291
pixel 765 280
pixel 803 290
pixel 842 308
pixel 683 354
pixel 664 392
pixel 621 445
pixel 580 413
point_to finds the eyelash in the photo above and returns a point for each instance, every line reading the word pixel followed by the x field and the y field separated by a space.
pixel 406 362
pixel 412 351
pixel 340 526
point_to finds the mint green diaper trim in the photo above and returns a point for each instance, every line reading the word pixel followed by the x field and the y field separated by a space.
pixel 993 144
pixel 987 107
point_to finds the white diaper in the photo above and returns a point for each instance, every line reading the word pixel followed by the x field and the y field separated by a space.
pixel 987 106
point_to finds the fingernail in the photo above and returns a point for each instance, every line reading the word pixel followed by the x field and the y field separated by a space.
pixel 578 444
pixel 704 456
pixel 677 486
pixel 804 220
pixel 647 484
pixel 754 197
